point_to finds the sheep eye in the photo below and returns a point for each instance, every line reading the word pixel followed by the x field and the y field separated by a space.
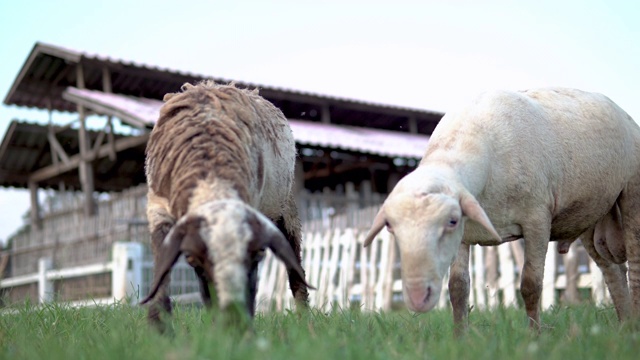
pixel 453 222
pixel 190 259
pixel 259 255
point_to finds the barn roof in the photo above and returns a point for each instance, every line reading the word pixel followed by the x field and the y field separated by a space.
pixel 50 69
pixel 57 78
pixel 25 149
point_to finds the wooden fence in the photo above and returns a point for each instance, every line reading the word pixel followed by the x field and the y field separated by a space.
pixel 346 274
pixel 334 223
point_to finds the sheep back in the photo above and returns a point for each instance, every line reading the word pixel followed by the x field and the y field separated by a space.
pixel 209 133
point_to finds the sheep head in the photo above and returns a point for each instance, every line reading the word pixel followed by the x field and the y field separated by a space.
pixel 225 241
pixel 427 221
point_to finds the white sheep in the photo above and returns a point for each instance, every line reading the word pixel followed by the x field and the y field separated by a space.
pixel 548 164
pixel 219 166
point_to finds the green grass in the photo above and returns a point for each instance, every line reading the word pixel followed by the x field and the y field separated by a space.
pixel 121 332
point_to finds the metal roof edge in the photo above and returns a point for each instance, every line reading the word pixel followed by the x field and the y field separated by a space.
pixel 7 136
pixel 75 56
pixel 40 48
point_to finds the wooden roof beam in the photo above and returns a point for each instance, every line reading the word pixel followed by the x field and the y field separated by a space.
pixel 74 161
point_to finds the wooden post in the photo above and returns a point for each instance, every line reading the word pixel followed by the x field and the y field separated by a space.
pixel 491 265
pixel 54 157
pixel 36 221
pixel 598 287
pixel 106 87
pixel 472 277
pixel 548 285
pixel 392 181
pixel 323 268
pixel 298 179
pixel 387 288
pixel 444 293
pixel 336 244
pixel 325 115
pixel 85 169
pixel 478 274
pixel 381 275
pixel 413 125
pixel 349 264
pixel 127 271
pixel 507 275
pixel 571 294
pixel 45 286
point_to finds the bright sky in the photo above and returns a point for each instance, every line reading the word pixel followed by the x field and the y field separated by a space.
pixel 425 54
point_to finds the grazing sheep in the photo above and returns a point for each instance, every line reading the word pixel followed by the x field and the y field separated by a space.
pixel 548 164
pixel 220 164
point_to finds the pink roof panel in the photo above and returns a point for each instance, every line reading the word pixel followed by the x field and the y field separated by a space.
pixel 142 112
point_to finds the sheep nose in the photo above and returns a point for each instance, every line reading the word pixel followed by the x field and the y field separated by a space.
pixel 419 297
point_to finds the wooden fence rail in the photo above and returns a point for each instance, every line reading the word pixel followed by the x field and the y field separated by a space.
pixel 344 273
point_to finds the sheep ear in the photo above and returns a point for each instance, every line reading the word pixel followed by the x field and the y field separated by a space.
pixel 378 224
pixel 170 251
pixel 471 208
pixel 273 238
pixel 283 251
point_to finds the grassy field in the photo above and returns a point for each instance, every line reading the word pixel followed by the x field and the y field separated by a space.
pixel 121 332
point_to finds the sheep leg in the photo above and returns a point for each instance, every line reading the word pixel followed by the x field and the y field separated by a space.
pixel 459 289
pixel 615 276
pixel 204 287
pixel 536 242
pixel 289 225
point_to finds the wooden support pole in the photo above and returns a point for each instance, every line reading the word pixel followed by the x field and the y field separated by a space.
pixel 75 160
pixel 127 271
pixel 57 151
pixel 107 88
pixel 45 286
pixel 106 80
pixel 36 222
pixel 325 115
pixel 85 168
pixel 571 294
pixel 50 135
pixel 413 124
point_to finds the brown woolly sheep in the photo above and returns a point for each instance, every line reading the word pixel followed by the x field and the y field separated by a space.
pixel 219 166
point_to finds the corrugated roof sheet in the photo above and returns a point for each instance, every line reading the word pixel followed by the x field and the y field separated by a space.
pixel 369 141
pixel 55 66
pixel 135 111
pixel 144 112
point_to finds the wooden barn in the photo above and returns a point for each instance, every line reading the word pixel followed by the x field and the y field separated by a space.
pixel 344 146
pixel 87 241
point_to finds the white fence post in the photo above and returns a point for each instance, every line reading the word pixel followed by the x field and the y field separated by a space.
pixel 598 287
pixel 507 279
pixel 550 267
pixel 45 286
pixel 127 271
